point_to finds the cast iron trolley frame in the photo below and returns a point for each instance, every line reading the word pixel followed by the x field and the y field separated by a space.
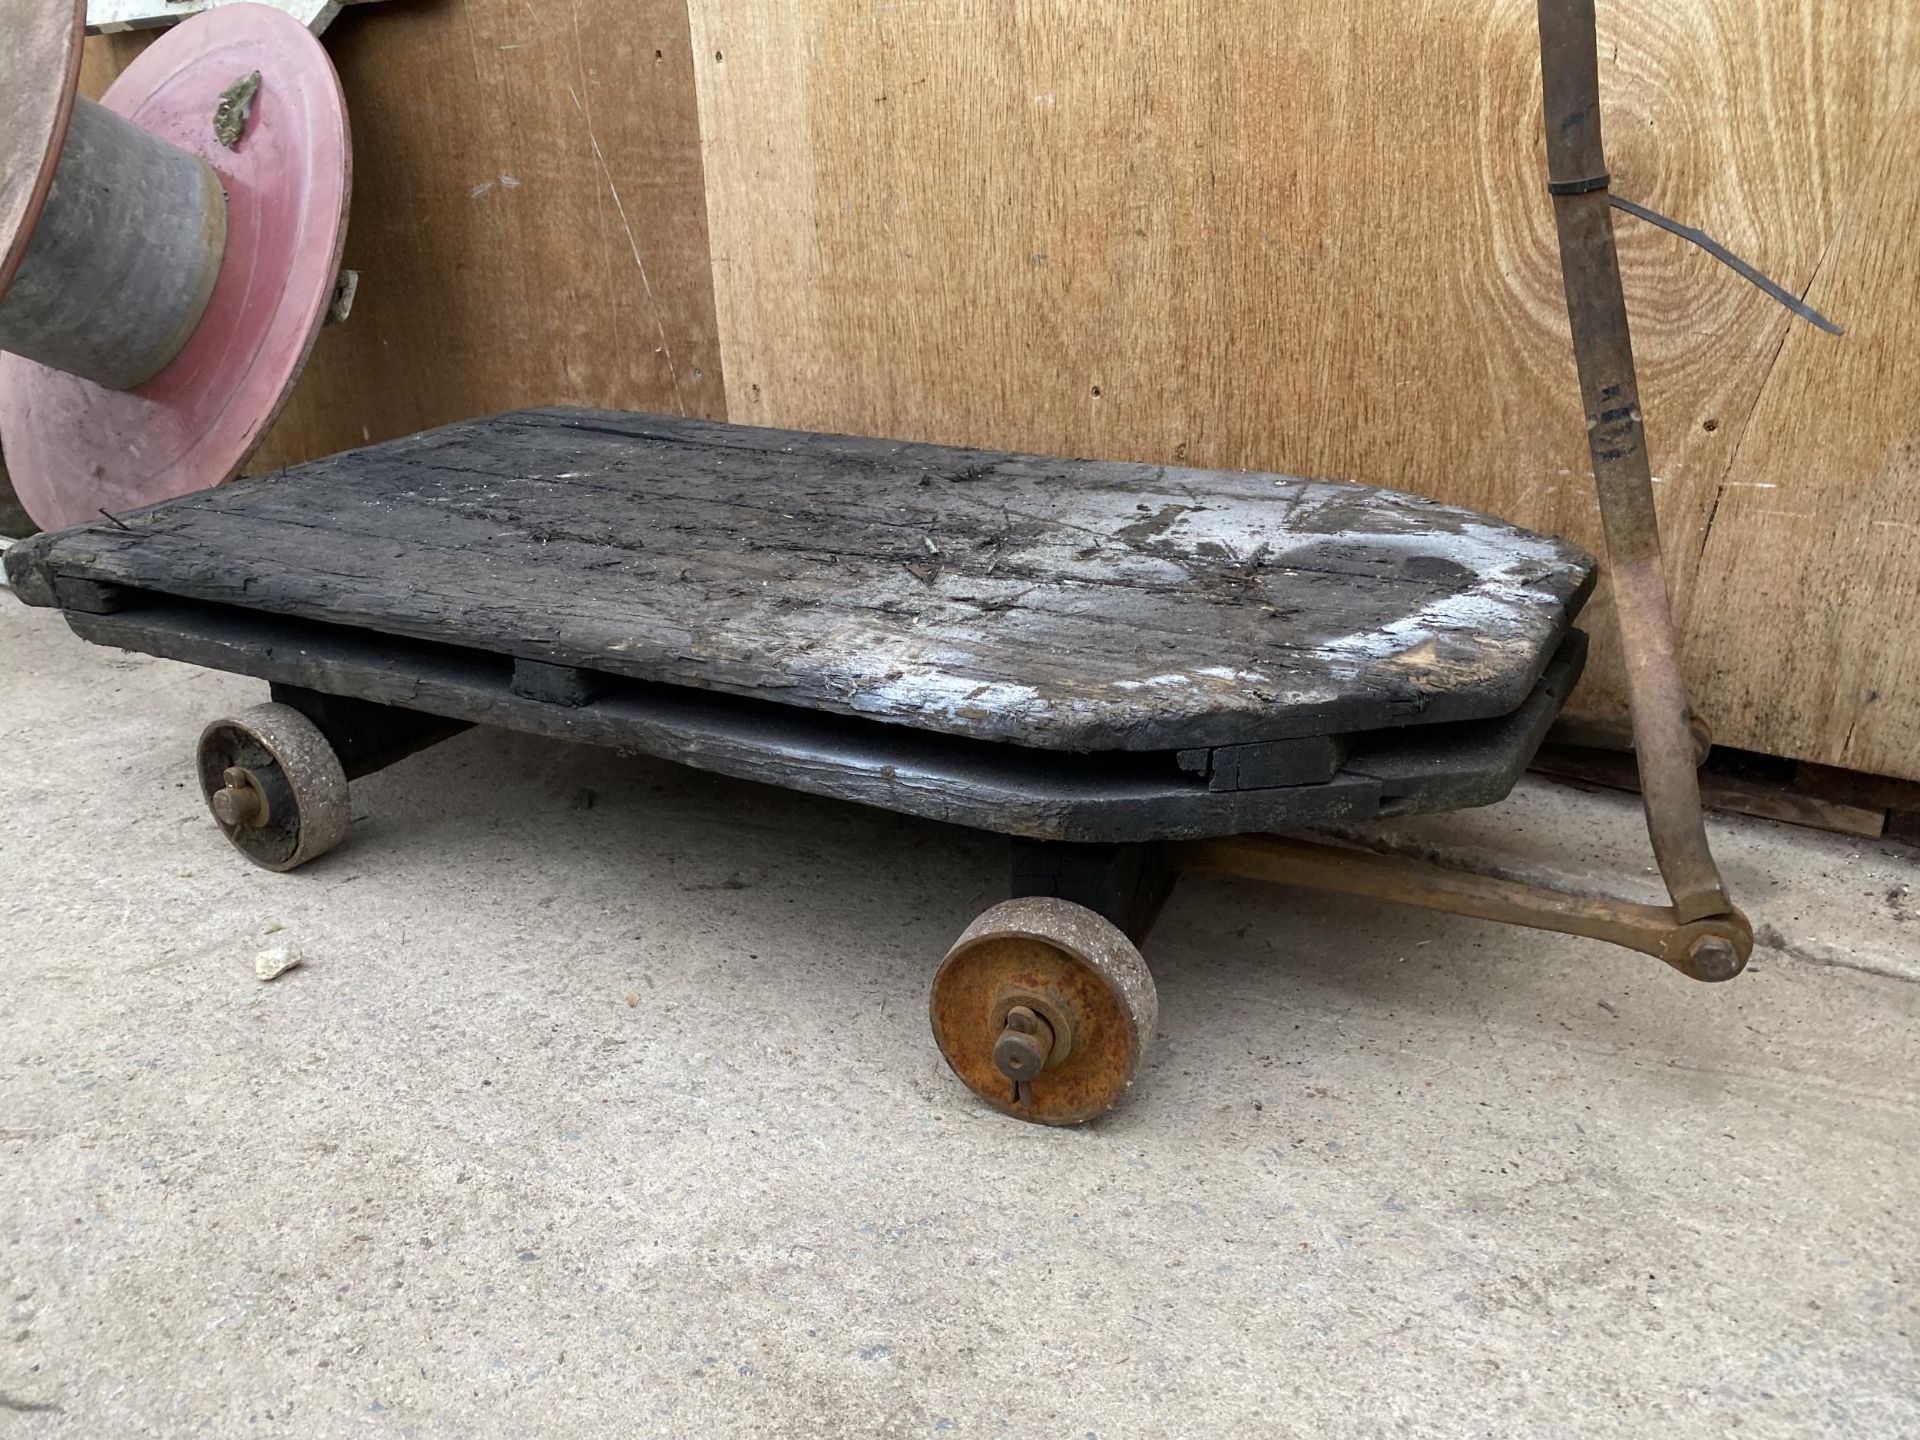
pixel 1367 653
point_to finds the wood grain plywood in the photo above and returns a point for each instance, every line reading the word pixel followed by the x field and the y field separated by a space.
pixel 1309 237
pixel 528 218
pixel 1807 621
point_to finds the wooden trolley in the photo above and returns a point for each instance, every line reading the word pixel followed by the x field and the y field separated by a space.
pixel 1130 670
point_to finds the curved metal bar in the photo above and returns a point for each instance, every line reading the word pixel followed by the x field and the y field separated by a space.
pixel 1603 351
pixel 1713 948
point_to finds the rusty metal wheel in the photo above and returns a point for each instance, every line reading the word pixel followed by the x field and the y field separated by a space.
pixel 274 785
pixel 1044 1008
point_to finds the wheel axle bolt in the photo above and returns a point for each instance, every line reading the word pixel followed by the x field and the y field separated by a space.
pixel 1714 957
pixel 239 802
pixel 1024 1045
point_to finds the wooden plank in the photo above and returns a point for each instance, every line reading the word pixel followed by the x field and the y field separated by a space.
pixel 554 684
pixel 1314 238
pixel 1733 793
pixel 77 595
pixel 1075 605
pixel 1808 617
pixel 1850 787
pixel 528 219
pixel 1308 760
pixel 1104 799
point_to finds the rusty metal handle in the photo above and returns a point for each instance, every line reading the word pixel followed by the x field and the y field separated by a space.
pixel 1603 351
pixel 1713 948
pixel 1701 934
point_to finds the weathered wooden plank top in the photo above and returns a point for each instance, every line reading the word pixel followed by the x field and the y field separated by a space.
pixel 1057 603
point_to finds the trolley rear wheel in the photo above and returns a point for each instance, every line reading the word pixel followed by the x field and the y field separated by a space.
pixel 1044 1008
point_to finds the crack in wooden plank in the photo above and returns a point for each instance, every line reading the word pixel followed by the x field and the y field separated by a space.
pixel 1827 251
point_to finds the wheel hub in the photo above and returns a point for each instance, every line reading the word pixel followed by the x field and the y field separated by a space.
pixel 1043 1009
pixel 241 800
pixel 1024 1047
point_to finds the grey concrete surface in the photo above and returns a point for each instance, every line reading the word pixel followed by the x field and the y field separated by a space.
pixel 605 1105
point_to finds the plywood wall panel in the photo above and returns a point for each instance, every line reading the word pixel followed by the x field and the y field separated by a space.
pixel 1309 237
pixel 528 218
pixel 1806 624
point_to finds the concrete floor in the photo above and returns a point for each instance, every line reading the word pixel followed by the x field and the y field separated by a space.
pixel 606 1105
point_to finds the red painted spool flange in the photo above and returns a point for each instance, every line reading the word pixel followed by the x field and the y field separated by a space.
pixel 36 102
pixel 74 448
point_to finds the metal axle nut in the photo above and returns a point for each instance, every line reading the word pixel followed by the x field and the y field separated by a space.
pixel 239 801
pixel 1713 957
pixel 1024 1046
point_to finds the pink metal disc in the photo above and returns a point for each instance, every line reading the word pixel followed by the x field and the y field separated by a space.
pixel 74 448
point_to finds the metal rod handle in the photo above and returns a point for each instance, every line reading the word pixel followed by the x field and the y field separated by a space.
pixel 1616 438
